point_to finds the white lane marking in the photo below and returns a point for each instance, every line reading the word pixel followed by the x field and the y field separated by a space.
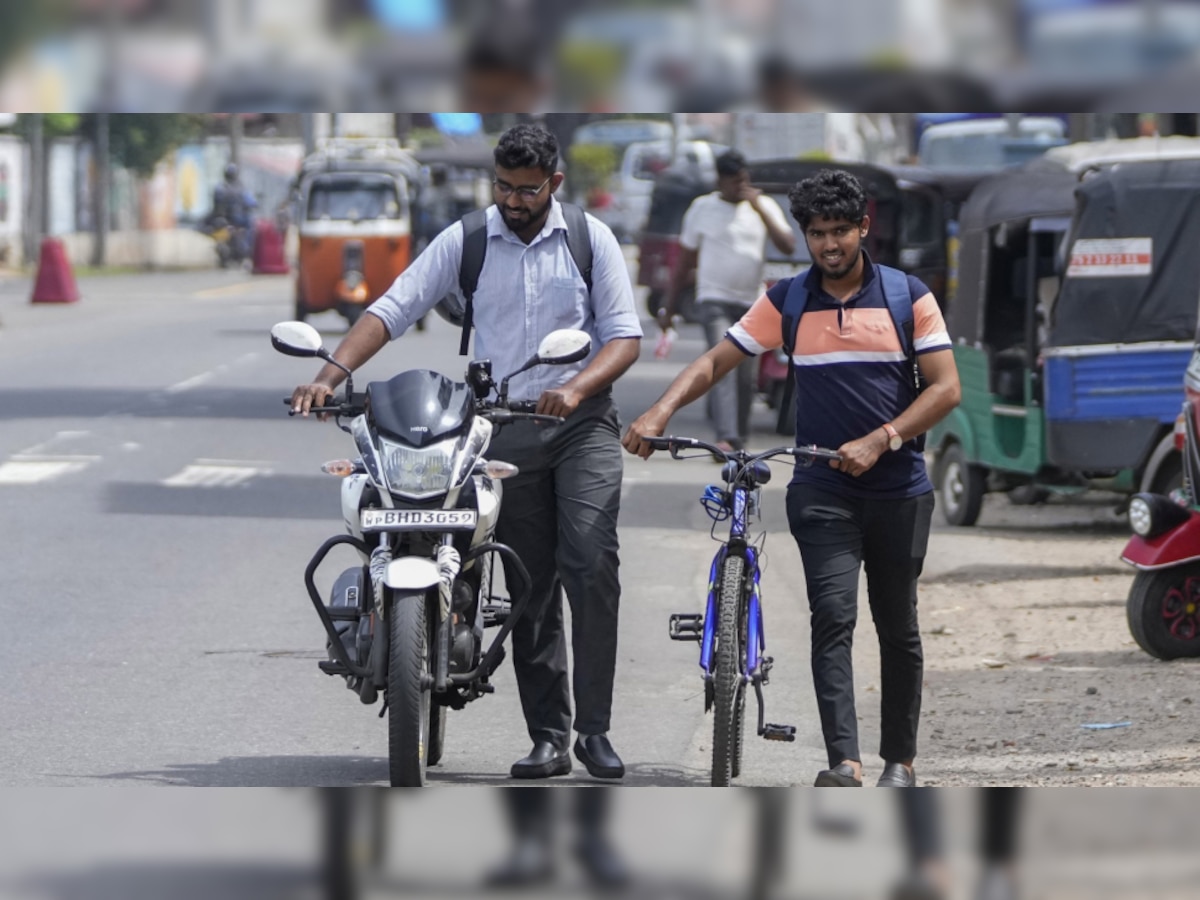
pixel 25 469
pixel 216 473
pixel 196 380
pixel 40 449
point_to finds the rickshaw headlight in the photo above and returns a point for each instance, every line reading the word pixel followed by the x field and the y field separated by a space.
pixel 418 473
pixel 1153 514
pixel 1140 519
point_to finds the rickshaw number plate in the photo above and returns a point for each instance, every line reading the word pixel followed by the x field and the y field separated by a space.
pixel 418 519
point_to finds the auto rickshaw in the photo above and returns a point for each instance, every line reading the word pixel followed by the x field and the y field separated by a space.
pixel 1072 327
pixel 355 224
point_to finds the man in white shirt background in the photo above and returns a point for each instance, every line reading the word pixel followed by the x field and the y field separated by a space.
pixel 724 239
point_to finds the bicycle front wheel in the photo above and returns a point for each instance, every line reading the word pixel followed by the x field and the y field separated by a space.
pixel 727 679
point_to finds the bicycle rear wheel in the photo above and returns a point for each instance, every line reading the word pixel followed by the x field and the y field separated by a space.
pixel 727 680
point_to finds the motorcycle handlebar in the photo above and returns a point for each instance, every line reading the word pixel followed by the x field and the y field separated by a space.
pixel 518 411
pixel 353 408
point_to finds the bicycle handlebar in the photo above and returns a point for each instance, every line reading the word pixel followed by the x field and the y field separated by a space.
pixel 674 444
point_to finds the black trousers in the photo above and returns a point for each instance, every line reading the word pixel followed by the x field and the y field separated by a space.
pixel 560 516
pixel 837 537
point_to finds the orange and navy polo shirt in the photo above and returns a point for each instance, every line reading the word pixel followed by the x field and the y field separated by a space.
pixel 851 375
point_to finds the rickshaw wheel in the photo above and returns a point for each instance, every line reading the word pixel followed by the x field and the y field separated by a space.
pixel 960 487
pixel 1163 609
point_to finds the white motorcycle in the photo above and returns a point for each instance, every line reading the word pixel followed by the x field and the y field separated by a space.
pixel 420 504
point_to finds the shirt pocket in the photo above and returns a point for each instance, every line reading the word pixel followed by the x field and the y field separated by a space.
pixel 564 301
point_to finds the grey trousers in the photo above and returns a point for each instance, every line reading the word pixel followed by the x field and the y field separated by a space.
pixel 730 398
pixel 560 516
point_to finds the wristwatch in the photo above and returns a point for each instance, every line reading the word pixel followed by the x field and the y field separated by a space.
pixel 895 442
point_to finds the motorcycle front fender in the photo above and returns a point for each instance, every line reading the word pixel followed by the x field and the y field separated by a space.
pixel 1171 548
pixel 411 573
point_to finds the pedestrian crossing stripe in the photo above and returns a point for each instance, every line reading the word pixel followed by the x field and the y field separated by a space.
pixel 37 469
pixel 215 473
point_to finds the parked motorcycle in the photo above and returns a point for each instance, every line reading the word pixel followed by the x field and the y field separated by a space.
pixel 420 504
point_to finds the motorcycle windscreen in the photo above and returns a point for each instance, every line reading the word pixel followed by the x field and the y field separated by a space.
pixel 420 407
pixel 1132 270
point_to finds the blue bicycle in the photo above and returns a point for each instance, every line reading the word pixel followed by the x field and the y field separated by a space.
pixel 730 631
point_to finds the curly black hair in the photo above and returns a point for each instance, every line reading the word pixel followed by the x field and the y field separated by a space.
pixel 527 147
pixel 830 194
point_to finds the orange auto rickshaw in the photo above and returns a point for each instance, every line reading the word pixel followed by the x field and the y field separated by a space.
pixel 354 216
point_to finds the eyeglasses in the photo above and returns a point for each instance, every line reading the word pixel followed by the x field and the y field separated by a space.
pixel 504 189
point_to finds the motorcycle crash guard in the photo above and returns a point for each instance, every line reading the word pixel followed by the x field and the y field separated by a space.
pixel 1171 548
pixel 411 573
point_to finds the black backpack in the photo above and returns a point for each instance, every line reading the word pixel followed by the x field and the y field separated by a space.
pixel 579 243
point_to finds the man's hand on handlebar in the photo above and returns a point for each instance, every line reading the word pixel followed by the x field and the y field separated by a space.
pixel 558 402
pixel 307 396
pixel 648 424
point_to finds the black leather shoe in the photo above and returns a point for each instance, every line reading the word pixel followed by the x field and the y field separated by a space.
pixel 604 867
pixel 897 775
pixel 597 754
pixel 841 775
pixel 543 761
pixel 531 863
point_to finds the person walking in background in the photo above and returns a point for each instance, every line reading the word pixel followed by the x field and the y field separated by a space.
pixel 724 239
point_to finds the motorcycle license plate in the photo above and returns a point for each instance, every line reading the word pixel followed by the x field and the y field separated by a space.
pixel 418 519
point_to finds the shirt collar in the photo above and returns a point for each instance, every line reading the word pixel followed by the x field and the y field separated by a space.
pixel 554 221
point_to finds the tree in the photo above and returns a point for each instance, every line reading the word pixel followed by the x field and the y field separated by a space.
pixel 139 141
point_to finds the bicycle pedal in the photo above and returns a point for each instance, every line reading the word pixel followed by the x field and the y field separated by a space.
pixel 779 732
pixel 686 627
pixel 332 667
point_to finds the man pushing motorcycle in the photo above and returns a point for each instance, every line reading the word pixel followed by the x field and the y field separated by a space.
pixel 560 512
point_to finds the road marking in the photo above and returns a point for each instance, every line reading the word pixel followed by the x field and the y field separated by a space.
pixel 216 473
pixel 196 380
pixel 225 290
pixel 26 469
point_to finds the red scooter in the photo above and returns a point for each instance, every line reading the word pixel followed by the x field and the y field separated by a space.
pixel 1164 601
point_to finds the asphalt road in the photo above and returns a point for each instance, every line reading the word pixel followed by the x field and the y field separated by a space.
pixel 159 507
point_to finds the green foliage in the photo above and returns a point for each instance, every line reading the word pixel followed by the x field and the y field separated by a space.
pixel 589 166
pixel 54 125
pixel 138 141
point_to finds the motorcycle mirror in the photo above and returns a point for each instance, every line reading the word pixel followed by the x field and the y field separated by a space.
pixel 296 339
pixel 566 345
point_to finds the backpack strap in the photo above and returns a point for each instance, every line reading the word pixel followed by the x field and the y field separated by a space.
pixel 579 241
pixel 474 226
pixel 899 303
pixel 793 308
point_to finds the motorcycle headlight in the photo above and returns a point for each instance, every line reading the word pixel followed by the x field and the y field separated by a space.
pixel 419 473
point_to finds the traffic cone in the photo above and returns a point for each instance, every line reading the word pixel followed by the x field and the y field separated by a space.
pixel 55 282
pixel 268 250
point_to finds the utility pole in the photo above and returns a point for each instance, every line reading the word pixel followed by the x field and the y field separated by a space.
pixel 308 131
pixel 37 187
pixel 103 180
pixel 236 129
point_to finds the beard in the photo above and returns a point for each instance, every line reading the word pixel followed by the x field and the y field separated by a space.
pixel 523 217
pixel 842 270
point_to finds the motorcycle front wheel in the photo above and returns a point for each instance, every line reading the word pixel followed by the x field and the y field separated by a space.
pixel 407 691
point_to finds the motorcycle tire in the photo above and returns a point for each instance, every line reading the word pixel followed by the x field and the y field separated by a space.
pixel 727 681
pixel 407 698
pixel 1158 612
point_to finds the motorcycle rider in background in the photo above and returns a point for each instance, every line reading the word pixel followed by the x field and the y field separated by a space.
pixel 233 203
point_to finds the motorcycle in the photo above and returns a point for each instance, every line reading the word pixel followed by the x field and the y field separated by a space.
pixel 232 242
pixel 420 505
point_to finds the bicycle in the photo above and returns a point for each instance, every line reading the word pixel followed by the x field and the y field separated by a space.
pixel 730 631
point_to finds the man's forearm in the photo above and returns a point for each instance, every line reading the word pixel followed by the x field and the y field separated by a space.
pixel 364 340
pixel 613 360
pixel 689 385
